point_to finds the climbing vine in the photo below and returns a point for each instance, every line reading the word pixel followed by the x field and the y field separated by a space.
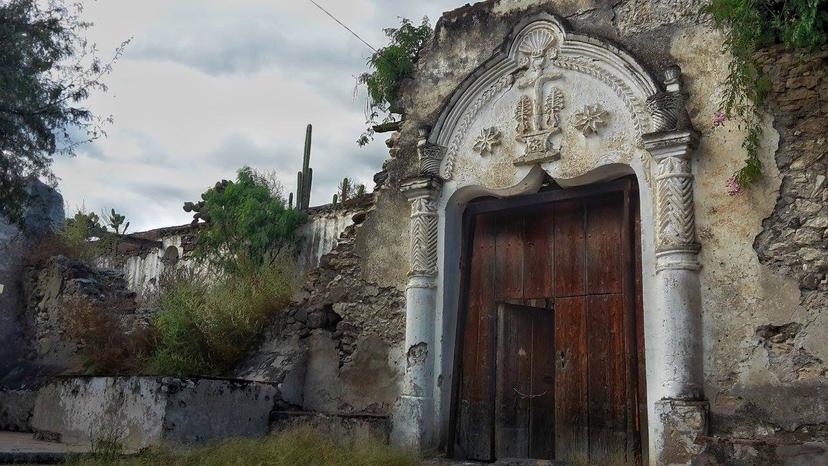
pixel 750 25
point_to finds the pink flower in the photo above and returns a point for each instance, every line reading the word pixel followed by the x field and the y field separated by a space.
pixel 719 119
pixel 733 187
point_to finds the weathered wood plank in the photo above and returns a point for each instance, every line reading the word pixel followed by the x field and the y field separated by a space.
pixel 607 390
pixel 603 244
pixel 571 415
pixel 475 425
pixel 569 249
pixel 539 256
pixel 542 404
pixel 514 366
pixel 509 267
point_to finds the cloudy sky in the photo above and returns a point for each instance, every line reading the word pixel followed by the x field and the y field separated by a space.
pixel 208 86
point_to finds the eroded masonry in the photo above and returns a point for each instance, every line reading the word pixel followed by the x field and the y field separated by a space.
pixel 551 266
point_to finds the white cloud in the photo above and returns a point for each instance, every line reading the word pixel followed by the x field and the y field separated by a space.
pixel 208 86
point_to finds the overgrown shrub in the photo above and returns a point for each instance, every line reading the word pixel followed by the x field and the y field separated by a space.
pixel 300 447
pixel 83 237
pixel 205 326
pixel 109 342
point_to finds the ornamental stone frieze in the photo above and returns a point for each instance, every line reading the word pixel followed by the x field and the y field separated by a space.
pixel 554 99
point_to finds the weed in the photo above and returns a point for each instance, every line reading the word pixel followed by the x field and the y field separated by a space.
pixel 300 447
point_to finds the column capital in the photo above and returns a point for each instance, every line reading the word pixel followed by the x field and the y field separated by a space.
pixel 421 186
pixel 676 244
pixel 422 192
pixel 663 144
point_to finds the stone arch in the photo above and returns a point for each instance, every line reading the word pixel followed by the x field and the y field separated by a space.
pixel 579 110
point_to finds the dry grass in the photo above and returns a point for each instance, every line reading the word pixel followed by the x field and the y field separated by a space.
pixel 106 344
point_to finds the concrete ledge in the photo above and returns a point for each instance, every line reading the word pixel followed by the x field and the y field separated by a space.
pixel 21 448
pixel 140 412
pixel 346 429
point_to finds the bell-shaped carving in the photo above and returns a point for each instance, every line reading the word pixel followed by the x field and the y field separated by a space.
pixel 664 108
pixel 430 155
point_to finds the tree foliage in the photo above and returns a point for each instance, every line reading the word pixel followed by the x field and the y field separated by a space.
pixel 388 67
pixel 750 25
pixel 47 71
pixel 248 222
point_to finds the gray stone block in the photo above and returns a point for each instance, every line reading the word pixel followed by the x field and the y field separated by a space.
pixel 16 408
pixel 140 412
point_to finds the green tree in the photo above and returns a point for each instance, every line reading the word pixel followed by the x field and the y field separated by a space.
pixel 47 71
pixel 388 67
pixel 248 224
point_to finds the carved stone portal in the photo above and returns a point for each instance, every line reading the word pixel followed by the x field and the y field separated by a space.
pixel 576 109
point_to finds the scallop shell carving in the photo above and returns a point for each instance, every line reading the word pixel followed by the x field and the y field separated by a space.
pixel 537 42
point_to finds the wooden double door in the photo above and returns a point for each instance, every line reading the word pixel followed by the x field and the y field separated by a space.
pixel 550 339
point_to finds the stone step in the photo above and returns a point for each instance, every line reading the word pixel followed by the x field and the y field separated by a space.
pixel 499 462
pixel 22 448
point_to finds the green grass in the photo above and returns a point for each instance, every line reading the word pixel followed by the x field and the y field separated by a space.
pixel 301 447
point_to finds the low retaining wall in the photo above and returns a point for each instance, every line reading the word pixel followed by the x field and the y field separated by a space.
pixel 140 412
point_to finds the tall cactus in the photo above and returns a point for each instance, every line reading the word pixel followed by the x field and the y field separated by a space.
pixel 304 178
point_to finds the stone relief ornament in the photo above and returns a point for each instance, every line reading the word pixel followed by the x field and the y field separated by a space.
pixel 589 119
pixel 496 88
pixel 666 107
pixel 488 138
pixel 424 236
pixel 676 225
pixel 430 155
pixel 543 59
pixel 538 116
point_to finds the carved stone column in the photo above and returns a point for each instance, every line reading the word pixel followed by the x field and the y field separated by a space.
pixel 681 412
pixel 414 413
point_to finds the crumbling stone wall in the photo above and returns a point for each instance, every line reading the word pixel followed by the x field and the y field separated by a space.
pixel 794 240
pixel 45 215
pixel 338 349
pixel 70 307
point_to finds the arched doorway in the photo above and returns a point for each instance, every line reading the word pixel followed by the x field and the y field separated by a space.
pixel 576 109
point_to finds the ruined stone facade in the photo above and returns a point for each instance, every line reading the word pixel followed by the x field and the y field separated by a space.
pixel 338 349
pixel 509 95
pixel 755 363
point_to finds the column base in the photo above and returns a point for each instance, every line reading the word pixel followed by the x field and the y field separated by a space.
pixel 678 424
pixel 412 423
